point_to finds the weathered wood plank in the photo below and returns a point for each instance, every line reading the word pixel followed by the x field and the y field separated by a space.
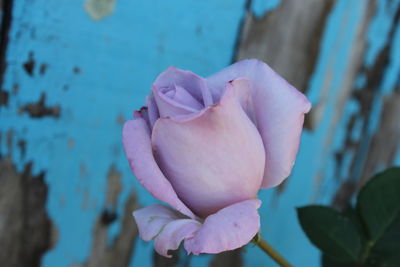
pixel 25 227
pixel 324 48
pixel 72 72
pixel 70 82
pixel 288 38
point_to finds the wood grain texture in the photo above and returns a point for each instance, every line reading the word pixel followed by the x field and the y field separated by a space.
pixel 68 85
pixel 25 227
pixel 376 148
pixel 229 258
pixel 287 38
pixel 118 253
pixel 324 48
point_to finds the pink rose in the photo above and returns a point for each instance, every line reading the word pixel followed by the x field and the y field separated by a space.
pixel 206 146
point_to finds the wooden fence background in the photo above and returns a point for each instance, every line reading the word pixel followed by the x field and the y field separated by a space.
pixel 72 71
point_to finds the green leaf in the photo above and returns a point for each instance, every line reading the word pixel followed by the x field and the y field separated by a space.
pixel 331 262
pixel 335 234
pixel 380 260
pixel 379 202
pixel 389 243
pixel 386 250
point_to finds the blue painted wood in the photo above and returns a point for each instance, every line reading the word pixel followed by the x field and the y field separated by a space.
pixel 118 57
pixel 97 72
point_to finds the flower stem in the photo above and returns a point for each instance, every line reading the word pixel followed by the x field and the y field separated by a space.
pixel 267 248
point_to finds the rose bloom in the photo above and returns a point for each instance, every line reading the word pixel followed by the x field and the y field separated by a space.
pixel 206 146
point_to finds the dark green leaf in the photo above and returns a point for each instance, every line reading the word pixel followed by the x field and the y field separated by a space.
pixel 380 260
pixel 331 262
pixel 379 202
pixel 355 217
pixel 335 234
pixel 389 243
pixel 386 251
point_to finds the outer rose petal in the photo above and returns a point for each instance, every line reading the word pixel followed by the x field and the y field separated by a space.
pixel 173 233
pixel 136 140
pixel 215 158
pixel 152 219
pixel 279 114
pixel 229 228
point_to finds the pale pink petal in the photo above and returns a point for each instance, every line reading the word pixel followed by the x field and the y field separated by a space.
pixel 173 233
pixel 152 110
pixel 174 100
pixel 215 158
pixel 150 220
pixel 136 140
pixel 192 83
pixel 180 95
pixel 279 114
pixel 228 229
pixel 243 89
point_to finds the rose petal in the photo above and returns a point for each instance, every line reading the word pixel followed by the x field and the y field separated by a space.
pixel 136 140
pixel 279 114
pixel 243 90
pixel 152 219
pixel 173 233
pixel 165 225
pixel 180 95
pixel 192 83
pixel 152 110
pixel 213 159
pixel 174 100
pixel 228 229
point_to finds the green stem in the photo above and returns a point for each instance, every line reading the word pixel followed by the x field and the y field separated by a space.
pixel 267 248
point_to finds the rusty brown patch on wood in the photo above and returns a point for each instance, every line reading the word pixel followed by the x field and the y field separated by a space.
pixel 29 65
pixel 287 38
pixel 229 258
pixel 161 261
pixel 114 186
pixel 119 252
pixel 343 195
pixel 386 140
pixel 377 151
pixel 3 98
pixel 25 227
pixel 40 110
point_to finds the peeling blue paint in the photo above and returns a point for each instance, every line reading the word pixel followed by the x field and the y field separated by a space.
pixel 339 36
pixel 118 58
pixel 379 28
pixel 262 7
